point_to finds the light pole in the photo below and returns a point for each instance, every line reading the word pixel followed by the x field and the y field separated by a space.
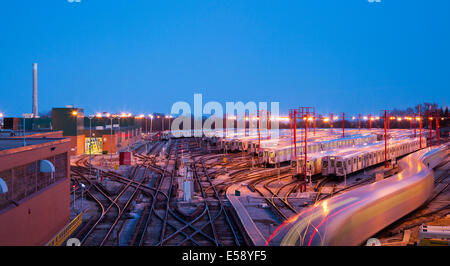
pixel 146 127
pixel 170 121
pixel 158 118
pixel 90 144
pixel 82 190
pixel 73 188
pixel 151 122
pixel 163 121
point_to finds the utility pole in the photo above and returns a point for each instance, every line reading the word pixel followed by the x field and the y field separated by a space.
pixel 430 128
pixel 359 122
pixel 420 127
pixel 314 118
pixel 331 123
pixel 415 125
pixel 343 124
pixel 437 129
pixel 386 163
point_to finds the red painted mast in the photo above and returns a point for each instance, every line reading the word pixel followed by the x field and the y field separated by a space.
pixel 386 164
pixel 295 136
pixel 306 146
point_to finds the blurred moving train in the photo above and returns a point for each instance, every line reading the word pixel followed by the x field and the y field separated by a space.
pixel 352 217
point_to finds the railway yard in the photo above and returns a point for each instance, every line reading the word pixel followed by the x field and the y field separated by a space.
pixel 239 191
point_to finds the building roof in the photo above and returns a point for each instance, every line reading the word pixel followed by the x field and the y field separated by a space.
pixel 14 143
pixel 6 133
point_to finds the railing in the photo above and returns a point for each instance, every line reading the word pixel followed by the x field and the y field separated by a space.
pixel 66 231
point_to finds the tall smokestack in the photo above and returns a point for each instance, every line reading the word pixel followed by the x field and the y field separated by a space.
pixel 35 93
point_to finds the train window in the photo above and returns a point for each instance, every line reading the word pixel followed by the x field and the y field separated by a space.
pixel 359 159
pixel 339 164
pixel 325 163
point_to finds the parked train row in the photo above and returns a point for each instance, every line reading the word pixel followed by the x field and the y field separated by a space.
pixel 280 154
pixel 347 162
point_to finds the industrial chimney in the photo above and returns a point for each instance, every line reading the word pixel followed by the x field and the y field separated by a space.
pixel 35 94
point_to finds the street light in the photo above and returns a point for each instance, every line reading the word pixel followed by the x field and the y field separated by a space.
pixel 82 186
pixel 151 120
pixel 90 144
pixel 163 120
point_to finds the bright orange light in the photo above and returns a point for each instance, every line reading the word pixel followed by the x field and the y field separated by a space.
pixel 325 207
pixel 399 119
pixel 74 113
pixel 365 118
pixel 99 115
pixel 326 119
pixel 353 118
pixel 1 114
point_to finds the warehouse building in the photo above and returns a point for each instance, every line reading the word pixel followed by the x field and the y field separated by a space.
pixel 34 189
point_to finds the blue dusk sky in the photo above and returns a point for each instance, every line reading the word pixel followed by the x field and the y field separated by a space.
pixel 142 56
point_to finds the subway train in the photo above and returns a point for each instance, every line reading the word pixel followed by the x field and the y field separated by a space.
pixel 351 218
pixel 280 154
pixel 350 161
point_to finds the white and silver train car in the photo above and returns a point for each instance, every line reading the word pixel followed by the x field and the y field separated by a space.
pixel 272 156
pixel 348 162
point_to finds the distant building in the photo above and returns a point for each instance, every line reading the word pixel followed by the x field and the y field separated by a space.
pixel 71 121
